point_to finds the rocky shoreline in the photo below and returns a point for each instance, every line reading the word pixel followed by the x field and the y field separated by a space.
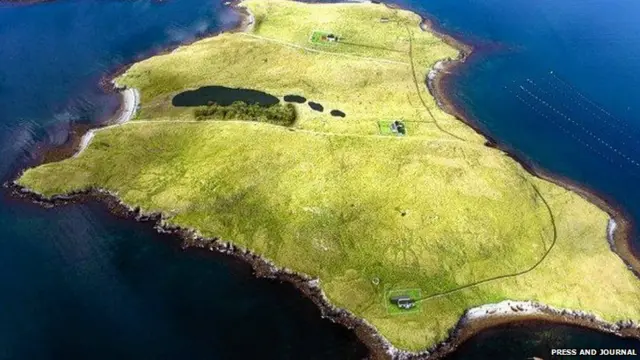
pixel 619 229
pixel 473 321
pixel 263 268
pixel 436 84
pixel 491 315
pixel 77 133
pixel 81 134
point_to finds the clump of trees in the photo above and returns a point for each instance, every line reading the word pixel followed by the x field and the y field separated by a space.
pixel 278 114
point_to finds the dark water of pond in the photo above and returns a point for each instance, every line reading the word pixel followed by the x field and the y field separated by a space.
pixel 224 96
pixel 315 106
pixel 337 113
pixel 295 98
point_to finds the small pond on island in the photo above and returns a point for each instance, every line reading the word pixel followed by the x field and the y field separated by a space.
pixel 315 106
pixel 223 96
pixel 337 113
pixel 295 98
pixel 117 289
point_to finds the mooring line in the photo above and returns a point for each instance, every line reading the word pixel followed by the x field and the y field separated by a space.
pixel 621 127
pixel 581 127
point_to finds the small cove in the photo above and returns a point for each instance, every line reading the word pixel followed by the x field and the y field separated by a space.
pixel 526 339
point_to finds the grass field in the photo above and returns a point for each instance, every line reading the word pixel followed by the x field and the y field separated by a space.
pixel 368 215
pixel 393 309
pixel 321 37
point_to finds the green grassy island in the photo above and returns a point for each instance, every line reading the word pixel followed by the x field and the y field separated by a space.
pixel 434 214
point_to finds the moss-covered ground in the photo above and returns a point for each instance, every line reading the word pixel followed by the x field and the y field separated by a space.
pixel 369 215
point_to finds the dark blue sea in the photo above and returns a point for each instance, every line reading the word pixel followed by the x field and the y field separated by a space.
pixel 558 82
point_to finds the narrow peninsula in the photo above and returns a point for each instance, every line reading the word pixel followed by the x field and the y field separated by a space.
pixel 309 139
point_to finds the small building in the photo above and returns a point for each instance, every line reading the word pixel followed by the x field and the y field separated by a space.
pixel 403 301
pixel 332 38
pixel 384 20
pixel 397 127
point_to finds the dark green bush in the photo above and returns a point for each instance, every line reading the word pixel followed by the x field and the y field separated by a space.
pixel 278 114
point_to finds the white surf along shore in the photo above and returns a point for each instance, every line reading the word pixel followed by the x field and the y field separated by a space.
pixel 130 103
pixel 611 228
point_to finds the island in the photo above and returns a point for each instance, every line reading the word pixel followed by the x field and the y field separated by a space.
pixel 307 142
